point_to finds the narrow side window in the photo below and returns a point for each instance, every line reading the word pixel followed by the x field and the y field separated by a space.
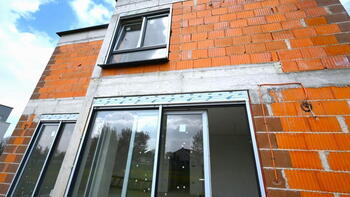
pixel 40 167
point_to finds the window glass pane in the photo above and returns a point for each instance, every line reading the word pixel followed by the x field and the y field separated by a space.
pixel 230 139
pixel 130 36
pixel 36 161
pixel 56 159
pixel 181 171
pixel 156 31
pixel 139 55
pixel 119 155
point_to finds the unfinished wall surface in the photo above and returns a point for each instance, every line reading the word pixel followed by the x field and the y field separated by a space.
pixel 307 40
pixel 302 35
pixel 226 45
pixel 68 71
pixel 308 151
pixel 60 89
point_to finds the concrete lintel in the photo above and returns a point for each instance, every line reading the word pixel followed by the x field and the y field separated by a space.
pixel 127 6
pixel 242 77
pixel 79 37
pixel 52 106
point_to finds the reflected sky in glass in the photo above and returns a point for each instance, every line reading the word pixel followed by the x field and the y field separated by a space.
pixel 156 31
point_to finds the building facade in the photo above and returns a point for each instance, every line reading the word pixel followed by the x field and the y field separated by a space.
pixel 5 111
pixel 191 98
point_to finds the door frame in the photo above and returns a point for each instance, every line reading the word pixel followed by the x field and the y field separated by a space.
pixel 108 105
pixel 206 147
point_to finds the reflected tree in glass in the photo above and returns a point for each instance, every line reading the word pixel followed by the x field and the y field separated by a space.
pixel 36 160
pixel 119 155
pixel 181 171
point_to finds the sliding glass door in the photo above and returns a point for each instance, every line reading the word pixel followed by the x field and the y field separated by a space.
pixel 182 155
pixel 119 155
pixel 166 153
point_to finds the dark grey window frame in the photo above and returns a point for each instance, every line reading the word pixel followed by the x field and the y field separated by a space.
pixel 141 18
pixel 162 107
pixel 38 130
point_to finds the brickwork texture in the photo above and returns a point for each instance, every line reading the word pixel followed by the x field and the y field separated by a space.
pixel 309 151
pixel 303 154
pixel 68 71
pixel 301 34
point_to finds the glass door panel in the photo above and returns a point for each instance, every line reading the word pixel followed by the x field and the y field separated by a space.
pixel 119 155
pixel 181 160
pixel 139 168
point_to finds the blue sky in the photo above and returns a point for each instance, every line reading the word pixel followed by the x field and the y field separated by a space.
pixel 28 37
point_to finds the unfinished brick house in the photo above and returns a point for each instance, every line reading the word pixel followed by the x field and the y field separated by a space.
pixel 191 98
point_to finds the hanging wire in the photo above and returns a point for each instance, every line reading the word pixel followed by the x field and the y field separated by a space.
pixel 305 105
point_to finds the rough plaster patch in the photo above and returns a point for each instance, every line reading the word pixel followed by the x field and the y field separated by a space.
pixel 269 109
pixel 285 178
pixel 323 156
pixel 343 124
pixel 287 41
pixel 327 10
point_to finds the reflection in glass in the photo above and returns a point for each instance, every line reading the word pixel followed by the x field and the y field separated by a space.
pixel 36 160
pixel 119 155
pixel 55 162
pixel 181 171
pixel 130 36
pixel 156 31
pixel 139 55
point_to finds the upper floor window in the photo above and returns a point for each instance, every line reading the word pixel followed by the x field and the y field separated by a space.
pixel 141 38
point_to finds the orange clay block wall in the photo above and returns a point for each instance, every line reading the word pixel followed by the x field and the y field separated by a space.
pixel 68 71
pixel 301 34
pixel 311 150
pixel 14 151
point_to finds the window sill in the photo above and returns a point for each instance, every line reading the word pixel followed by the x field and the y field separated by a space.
pixel 139 49
pixel 124 64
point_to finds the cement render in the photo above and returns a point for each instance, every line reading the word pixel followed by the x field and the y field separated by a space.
pixel 52 106
pixel 81 37
pixel 241 77
pixel 127 6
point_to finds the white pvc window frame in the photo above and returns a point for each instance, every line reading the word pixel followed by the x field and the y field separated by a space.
pixel 235 101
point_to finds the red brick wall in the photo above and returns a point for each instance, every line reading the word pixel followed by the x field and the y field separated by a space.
pixel 68 71
pixel 14 150
pixel 301 34
pixel 311 150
